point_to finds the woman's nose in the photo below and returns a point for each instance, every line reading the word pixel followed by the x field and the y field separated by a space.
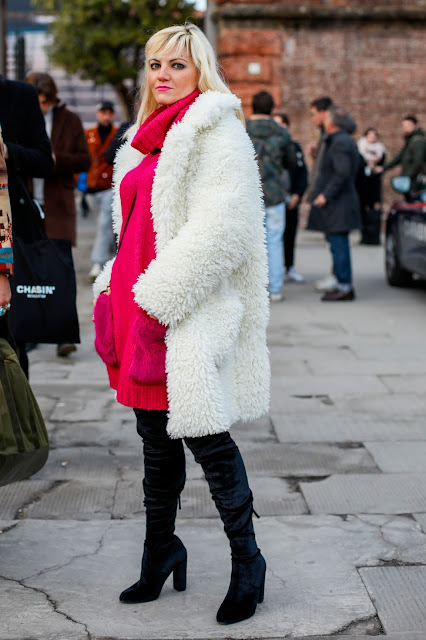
pixel 163 73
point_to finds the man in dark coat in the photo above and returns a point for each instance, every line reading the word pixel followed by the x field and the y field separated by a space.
pixel 28 150
pixel 336 203
pixel 28 153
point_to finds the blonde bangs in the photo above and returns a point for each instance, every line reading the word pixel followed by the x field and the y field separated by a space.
pixel 191 39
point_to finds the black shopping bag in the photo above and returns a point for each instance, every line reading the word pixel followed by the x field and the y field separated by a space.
pixel 44 291
pixel 43 307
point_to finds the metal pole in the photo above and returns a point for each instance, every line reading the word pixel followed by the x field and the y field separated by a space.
pixel 3 59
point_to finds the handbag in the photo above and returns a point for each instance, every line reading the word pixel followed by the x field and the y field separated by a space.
pixel 24 443
pixel 103 316
pixel 43 287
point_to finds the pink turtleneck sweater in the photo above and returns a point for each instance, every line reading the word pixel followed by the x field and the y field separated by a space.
pixel 140 377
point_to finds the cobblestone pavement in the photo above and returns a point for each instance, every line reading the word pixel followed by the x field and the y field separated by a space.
pixel 337 469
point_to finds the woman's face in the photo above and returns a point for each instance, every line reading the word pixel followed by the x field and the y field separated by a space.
pixel 172 76
pixel 371 136
pixel 45 103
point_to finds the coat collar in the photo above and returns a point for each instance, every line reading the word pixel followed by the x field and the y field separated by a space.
pixel 168 216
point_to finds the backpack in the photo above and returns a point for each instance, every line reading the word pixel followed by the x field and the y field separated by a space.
pixel 24 443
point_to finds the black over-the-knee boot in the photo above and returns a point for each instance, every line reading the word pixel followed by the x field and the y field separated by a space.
pixel 164 480
pixel 225 473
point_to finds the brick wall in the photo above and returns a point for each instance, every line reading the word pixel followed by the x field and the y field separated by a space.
pixel 374 68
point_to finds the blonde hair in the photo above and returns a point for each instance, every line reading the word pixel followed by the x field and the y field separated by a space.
pixel 182 37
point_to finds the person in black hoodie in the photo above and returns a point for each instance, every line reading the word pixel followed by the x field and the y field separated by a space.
pixel 28 154
pixel 297 179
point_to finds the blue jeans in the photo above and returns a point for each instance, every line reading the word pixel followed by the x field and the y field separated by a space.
pixel 275 225
pixel 340 250
pixel 104 244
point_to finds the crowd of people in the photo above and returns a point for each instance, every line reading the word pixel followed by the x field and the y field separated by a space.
pixel 206 210
pixel 344 189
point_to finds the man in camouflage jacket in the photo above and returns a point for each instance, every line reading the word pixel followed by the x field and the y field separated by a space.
pixel 275 152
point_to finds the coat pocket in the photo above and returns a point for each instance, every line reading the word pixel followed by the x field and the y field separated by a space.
pixel 148 363
pixel 104 330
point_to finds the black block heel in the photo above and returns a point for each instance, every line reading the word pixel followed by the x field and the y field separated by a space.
pixel 179 576
pixel 157 565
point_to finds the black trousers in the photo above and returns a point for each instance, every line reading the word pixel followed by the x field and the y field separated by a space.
pixel 223 466
pixel 291 224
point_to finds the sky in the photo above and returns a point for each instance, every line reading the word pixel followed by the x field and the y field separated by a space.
pixel 201 4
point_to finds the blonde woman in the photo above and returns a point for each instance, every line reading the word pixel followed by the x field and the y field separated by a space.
pixel 188 292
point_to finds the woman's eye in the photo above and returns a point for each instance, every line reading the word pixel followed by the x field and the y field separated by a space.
pixel 178 65
pixel 154 65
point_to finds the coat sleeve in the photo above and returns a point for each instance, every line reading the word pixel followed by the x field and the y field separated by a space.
pixel 35 158
pixel 299 174
pixel 394 162
pixel 78 159
pixel 224 213
pixel 418 157
pixel 341 158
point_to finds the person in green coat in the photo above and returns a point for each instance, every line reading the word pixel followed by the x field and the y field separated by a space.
pixel 412 156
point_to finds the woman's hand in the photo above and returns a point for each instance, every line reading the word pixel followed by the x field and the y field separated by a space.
pixel 5 293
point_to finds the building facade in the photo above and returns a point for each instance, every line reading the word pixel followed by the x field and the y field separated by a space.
pixel 369 56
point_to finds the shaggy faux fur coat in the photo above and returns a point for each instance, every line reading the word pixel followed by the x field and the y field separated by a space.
pixel 208 282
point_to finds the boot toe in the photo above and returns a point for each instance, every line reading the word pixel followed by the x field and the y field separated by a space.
pixel 137 593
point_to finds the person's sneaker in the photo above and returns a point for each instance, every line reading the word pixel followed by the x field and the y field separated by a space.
pixel 276 297
pixel 95 271
pixel 65 349
pixel 294 276
pixel 326 284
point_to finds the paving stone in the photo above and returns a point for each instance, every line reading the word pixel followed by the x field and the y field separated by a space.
pixel 405 383
pixel 397 457
pixel 399 594
pixel 94 464
pixel 83 405
pixel 306 459
pixel 369 493
pixel 256 431
pixel 32 611
pixel 332 386
pixel 316 565
pixel 272 496
pixel 30 549
pixel 46 405
pixel 302 331
pixel 421 519
pixel 17 495
pixel 75 500
pixel 330 424
pixel 102 433
pixel 402 406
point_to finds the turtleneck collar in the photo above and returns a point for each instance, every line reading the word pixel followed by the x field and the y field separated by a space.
pixel 152 132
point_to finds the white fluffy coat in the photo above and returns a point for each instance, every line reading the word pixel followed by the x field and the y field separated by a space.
pixel 208 283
